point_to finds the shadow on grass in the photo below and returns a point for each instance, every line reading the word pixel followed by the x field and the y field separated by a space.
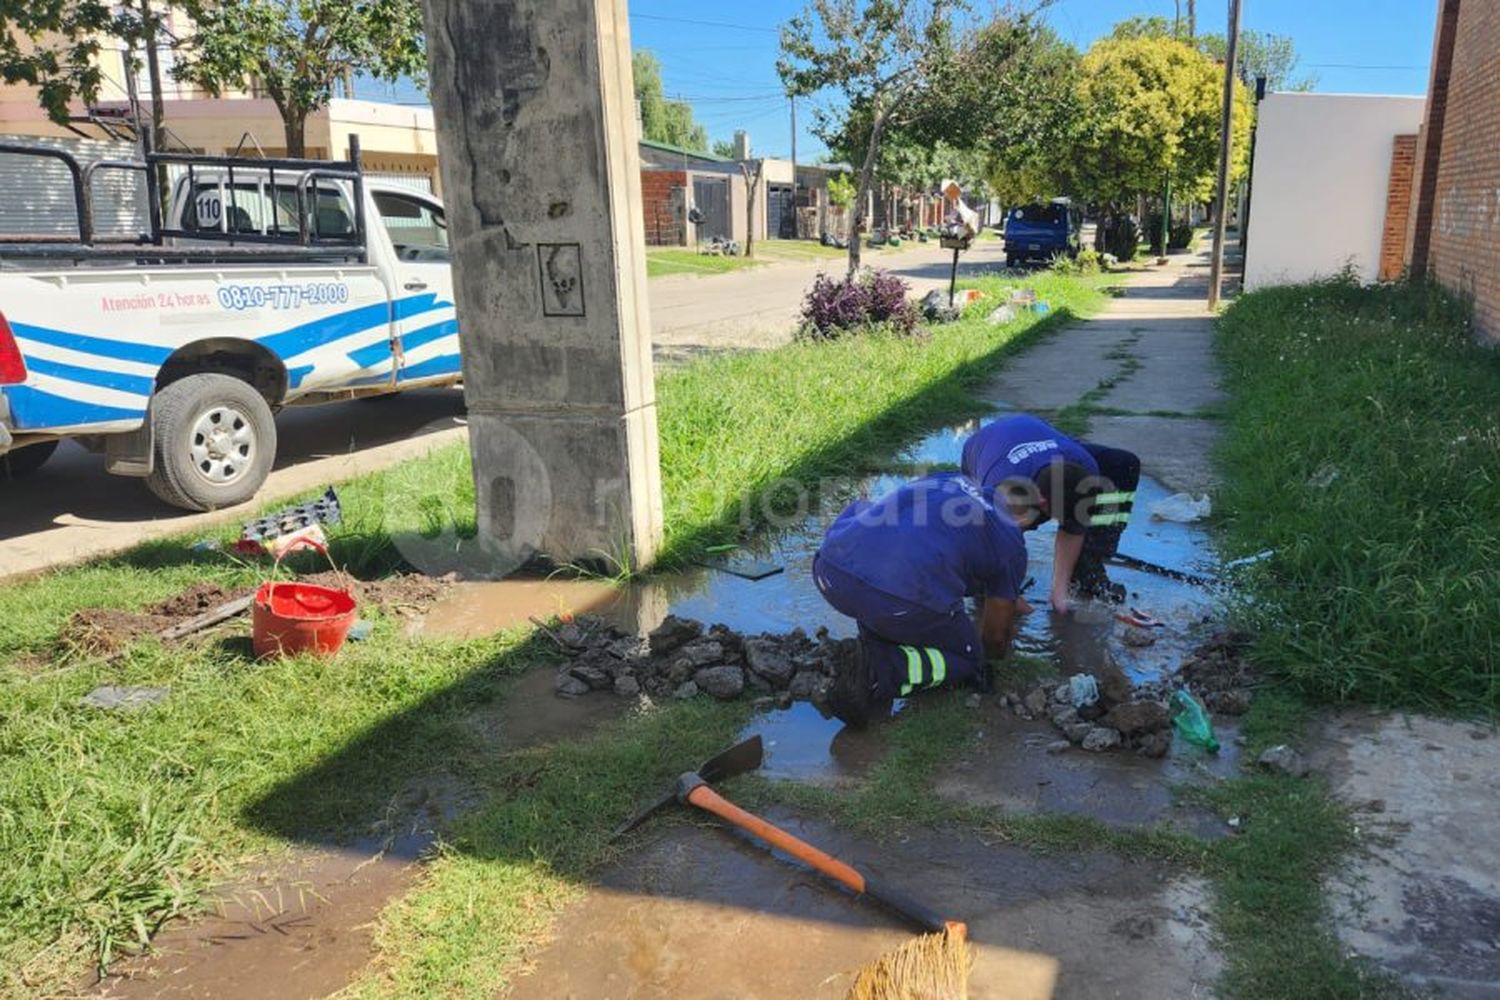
pixel 555 801
pixel 946 401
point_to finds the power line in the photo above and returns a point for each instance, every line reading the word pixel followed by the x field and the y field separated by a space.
pixel 1360 66
pixel 704 24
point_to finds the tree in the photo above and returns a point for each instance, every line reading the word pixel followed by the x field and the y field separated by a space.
pixel 724 148
pixel 1150 115
pixel 299 49
pixel 880 54
pixel 752 191
pixel 662 120
pixel 1261 53
pixel 54 46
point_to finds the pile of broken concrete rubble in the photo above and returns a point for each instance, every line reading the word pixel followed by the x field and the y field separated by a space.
pixel 682 659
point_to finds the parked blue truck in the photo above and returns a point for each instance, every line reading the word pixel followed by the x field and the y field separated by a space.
pixel 1041 232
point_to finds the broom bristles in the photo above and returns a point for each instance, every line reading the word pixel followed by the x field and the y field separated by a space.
pixel 931 967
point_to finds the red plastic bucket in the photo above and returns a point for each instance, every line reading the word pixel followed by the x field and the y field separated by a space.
pixel 291 618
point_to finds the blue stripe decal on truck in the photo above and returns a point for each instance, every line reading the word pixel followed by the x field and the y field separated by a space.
pixel 447 364
pixel 140 385
pixel 32 408
pixel 374 354
pixel 113 349
pixel 306 336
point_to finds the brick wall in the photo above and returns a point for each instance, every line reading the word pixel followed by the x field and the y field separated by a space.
pixel 1464 234
pixel 1397 208
pixel 662 198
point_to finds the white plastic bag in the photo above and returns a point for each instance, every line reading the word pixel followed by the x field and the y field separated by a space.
pixel 1182 508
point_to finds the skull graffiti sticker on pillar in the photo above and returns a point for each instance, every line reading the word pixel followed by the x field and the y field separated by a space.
pixel 562 278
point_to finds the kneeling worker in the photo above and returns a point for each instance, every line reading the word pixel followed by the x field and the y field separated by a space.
pixel 1038 472
pixel 902 567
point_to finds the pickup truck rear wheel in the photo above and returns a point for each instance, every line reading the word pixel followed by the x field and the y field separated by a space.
pixel 21 462
pixel 215 440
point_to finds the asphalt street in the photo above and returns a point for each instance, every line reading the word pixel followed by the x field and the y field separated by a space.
pixel 72 510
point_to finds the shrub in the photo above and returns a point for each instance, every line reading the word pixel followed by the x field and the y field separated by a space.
pixel 1088 261
pixel 868 300
pixel 1121 237
pixel 1178 238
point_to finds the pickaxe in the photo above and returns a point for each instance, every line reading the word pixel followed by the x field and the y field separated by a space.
pixel 692 788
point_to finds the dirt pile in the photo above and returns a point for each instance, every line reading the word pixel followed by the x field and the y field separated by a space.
pixel 105 631
pixel 1104 711
pixel 682 659
pixel 1100 711
pixel 1219 673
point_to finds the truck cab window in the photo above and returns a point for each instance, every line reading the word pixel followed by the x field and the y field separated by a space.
pixel 416 227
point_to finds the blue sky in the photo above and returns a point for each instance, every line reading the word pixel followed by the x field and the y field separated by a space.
pixel 721 57
pixel 725 63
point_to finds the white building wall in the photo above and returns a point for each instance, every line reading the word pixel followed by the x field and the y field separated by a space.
pixel 1322 165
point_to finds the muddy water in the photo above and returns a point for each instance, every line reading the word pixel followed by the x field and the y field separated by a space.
pixel 701 913
pixel 800 743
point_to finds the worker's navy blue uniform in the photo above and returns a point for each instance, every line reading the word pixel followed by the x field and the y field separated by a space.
pixel 1023 448
pixel 902 567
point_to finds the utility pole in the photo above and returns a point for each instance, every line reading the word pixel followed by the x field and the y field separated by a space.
pixel 793 100
pixel 1192 18
pixel 1221 194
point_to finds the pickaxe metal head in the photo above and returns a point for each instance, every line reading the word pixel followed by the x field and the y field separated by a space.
pixel 739 759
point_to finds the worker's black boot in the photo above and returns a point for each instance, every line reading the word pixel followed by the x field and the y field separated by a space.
pixel 851 697
pixel 1092 583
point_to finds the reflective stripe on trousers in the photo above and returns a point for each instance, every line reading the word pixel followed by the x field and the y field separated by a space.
pixel 916 668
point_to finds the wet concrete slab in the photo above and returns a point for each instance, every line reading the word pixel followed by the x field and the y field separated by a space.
pixel 295 930
pixel 473 610
pixel 1009 767
pixel 700 912
pixel 302 926
pixel 1421 895
pixel 1177 450
pixel 1057 371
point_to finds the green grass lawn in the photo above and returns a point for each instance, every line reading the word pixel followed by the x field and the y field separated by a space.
pixel 110 824
pixel 661 261
pixel 1363 447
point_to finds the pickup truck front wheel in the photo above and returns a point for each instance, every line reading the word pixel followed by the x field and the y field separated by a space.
pixel 215 440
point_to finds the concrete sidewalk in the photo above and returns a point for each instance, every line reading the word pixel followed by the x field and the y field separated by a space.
pixel 1141 371
pixel 692 314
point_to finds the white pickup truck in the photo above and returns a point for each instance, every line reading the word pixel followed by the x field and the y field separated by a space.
pixel 269 283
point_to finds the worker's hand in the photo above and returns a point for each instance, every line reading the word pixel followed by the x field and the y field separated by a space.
pixel 1061 603
pixel 1023 606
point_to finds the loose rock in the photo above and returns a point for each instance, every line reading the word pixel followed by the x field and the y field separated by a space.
pixel 673 633
pixel 1282 759
pixel 569 686
pixel 1101 738
pixel 724 683
pixel 703 652
pixel 1138 637
pixel 1035 701
pixel 596 679
pixel 768 659
pixel 1078 731
pixel 1155 744
pixel 1059 746
pixel 686 691
pixel 1235 701
pixel 1137 717
pixel 627 686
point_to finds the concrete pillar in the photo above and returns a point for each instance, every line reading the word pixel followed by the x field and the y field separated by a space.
pixel 536 130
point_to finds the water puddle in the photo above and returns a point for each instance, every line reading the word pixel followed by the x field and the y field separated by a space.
pixel 800 743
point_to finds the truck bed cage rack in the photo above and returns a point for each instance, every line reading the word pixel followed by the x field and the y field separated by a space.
pixel 276 244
